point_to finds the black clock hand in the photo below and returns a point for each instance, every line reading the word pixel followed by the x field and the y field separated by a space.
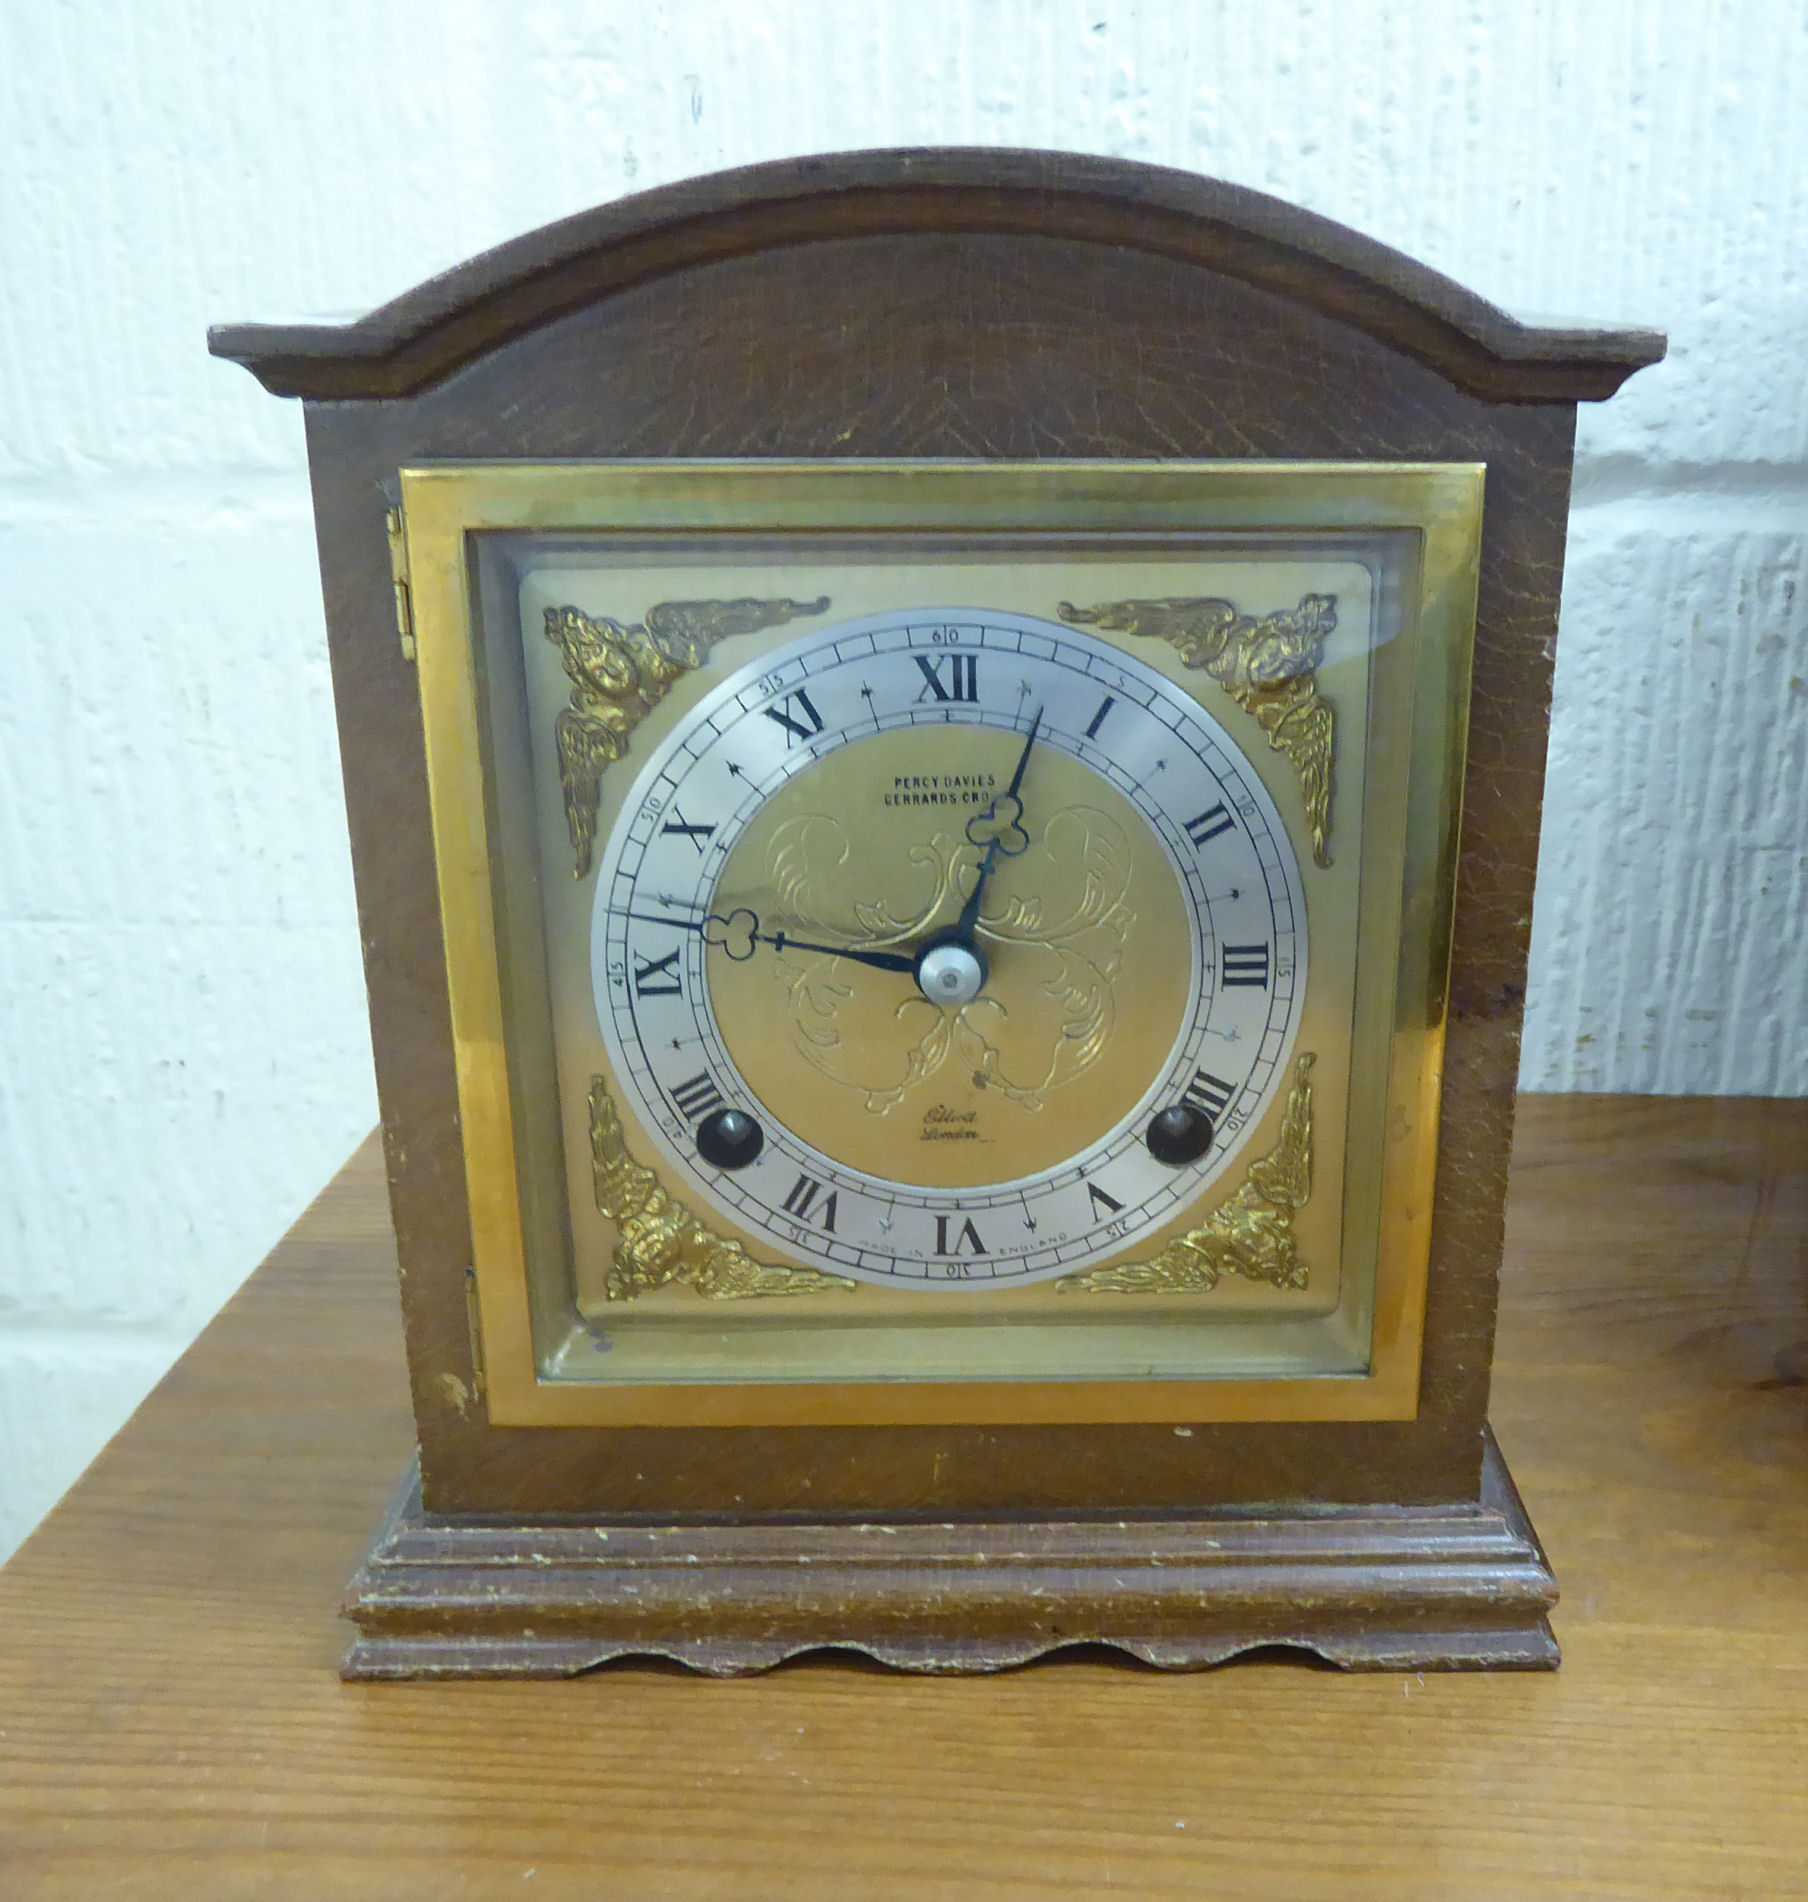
pixel 968 921
pixel 782 940
pixel 879 960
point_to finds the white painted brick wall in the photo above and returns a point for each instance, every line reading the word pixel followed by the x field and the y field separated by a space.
pixel 184 1061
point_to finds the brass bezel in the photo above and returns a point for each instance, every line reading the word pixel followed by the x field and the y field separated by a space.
pixel 445 504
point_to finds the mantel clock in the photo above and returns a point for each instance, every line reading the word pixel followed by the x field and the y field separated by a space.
pixel 944 755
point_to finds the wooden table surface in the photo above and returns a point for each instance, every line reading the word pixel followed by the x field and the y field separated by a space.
pixel 171 1725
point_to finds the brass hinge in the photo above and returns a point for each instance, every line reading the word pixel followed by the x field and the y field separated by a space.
pixel 475 1320
pixel 398 568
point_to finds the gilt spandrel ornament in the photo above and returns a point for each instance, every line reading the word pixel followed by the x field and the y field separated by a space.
pixel 661 1241
pixel 620 673
pixel 1250 1233
pixel 1268 664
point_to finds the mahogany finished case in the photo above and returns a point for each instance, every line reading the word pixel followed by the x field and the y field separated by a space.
pixel 942 304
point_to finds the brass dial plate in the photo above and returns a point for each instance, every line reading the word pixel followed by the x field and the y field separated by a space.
pixel 824 816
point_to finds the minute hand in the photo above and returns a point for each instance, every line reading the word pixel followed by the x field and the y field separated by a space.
pixel 968 921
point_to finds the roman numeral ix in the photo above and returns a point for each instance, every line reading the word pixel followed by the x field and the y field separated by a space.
pixel 657 977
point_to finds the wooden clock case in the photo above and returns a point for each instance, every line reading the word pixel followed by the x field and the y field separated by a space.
pixel 944 304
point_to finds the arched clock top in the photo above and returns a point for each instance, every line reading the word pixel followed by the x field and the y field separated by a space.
pixel 420 338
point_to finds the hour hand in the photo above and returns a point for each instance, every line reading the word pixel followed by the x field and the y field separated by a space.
pixel 879 960
pixel 737 932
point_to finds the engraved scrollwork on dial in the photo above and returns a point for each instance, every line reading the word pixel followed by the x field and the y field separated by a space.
pixel 1250 1233
pixel 659 1240
pixel 1063 918
pixel 619 673
pixel 1268 664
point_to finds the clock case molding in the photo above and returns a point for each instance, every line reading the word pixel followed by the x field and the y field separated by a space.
pixel 968 304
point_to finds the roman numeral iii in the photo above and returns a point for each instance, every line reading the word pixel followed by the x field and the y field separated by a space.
pixel 1243 964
